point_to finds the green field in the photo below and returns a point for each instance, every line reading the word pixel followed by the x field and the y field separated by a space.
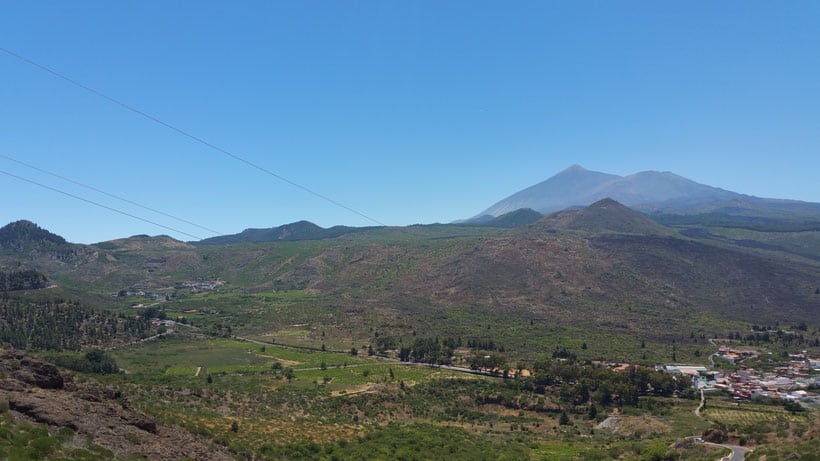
pixel 743 415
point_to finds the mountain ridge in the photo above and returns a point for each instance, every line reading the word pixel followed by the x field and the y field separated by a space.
pixel 299 230
pixel 591 262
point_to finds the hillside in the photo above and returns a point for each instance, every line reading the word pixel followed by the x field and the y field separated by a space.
pixel 93 421
pixel 652 285
pixel 22 280
pixel 605 269
pixel 50 322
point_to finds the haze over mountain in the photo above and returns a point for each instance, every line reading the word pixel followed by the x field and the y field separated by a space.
pixel 647 191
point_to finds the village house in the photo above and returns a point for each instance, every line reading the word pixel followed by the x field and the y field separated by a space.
pixel 733 356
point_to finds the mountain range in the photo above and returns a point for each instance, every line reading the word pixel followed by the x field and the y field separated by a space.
pixel 650 192
pixel 574 267
pixel 683 254
pixel 663 196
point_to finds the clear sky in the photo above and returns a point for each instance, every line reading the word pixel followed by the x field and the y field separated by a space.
pixel 407 111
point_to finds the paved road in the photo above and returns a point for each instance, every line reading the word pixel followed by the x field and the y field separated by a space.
pixel 738 453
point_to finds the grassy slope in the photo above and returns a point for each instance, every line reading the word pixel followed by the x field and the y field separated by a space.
pixel 368 409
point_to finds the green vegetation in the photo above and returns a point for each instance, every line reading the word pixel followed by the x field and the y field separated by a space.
pixel 22 280
pixel 60 324
pixel 747 416
pixel 21 441
pixel 418 441
pixel 427 342
pixel 21 235
pixel 271 402
pixel 349 405
pixel 93 361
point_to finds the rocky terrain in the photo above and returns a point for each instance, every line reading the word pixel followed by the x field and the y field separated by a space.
pixel 39 392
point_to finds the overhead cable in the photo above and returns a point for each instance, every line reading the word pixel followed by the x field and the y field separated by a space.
pixel 123 199
pixel 187 134
pixel 109 208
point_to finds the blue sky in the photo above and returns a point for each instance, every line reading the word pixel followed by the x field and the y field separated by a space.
pixel 407 111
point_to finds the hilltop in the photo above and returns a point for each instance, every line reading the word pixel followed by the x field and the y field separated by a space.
pixel 604 216
pixel 25 235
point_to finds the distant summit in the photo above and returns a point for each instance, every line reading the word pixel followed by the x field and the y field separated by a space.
pixel 569 188
pixel 300 230
pixel 648 191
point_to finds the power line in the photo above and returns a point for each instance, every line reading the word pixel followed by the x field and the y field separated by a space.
pixel 54 189
pixel 186 134
pixel 123 199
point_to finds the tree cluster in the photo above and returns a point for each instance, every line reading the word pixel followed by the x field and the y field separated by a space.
pixel 22 280
pixel 484 344
pixel 491 362
pixel 765 334
pixel 21 235
pixel 383 343
pixel 63 325
pixel 93 361
pixel 427 350
pixel 583 383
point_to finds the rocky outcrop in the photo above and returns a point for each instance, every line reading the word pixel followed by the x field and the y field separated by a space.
pixel 40 392
pixel 40 374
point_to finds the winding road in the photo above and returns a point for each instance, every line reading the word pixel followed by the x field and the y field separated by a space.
pixel 738 452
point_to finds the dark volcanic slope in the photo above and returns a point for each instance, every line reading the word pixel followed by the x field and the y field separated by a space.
pixel 731 284
pixel 618 260
pixel 604 216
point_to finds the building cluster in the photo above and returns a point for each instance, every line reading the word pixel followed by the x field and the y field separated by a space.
pixel 145 290
pixel 138 289
pixel 732 356
pixel 788 383
pixel 163 323
pixel 202 285
pixel 750 384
